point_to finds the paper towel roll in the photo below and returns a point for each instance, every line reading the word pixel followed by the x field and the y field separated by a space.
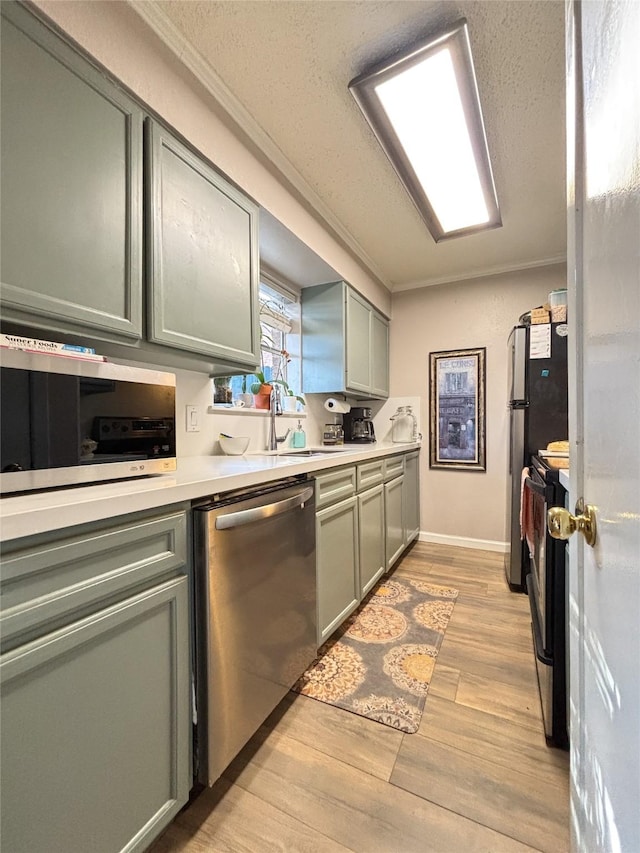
pixel 338 407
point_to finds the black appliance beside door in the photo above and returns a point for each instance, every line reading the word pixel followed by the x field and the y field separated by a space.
pixel 547 601
pixel 538 413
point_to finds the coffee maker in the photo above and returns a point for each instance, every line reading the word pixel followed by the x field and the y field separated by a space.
pixel 358 426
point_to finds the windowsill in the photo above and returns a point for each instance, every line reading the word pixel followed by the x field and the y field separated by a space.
pixel 229 409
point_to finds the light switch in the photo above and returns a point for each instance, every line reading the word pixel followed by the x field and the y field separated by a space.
pixel 193 419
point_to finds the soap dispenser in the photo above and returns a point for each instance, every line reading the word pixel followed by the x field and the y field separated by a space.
pixel 299 438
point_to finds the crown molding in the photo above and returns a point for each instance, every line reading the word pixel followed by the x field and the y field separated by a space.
pixel 484 273
pixel 184 51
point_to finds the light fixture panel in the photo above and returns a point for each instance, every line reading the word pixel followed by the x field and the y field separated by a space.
pixel 425 111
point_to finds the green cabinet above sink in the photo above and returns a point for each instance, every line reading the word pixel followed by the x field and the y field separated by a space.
pixel 345 343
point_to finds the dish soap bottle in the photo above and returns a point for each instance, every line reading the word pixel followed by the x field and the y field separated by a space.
pixel 298 439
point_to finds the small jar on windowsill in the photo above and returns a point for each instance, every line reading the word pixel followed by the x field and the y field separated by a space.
pixel 222 390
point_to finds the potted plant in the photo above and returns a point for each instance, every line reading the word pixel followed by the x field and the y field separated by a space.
pixel 262 387
pixel 261 390
pixel 290 400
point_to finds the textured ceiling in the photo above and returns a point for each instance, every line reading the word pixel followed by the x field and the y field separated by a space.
pixel 289 63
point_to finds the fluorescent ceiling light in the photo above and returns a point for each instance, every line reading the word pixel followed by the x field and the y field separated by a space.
pixel 425 111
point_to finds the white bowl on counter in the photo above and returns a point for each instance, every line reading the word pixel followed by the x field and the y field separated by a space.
pixel 233 446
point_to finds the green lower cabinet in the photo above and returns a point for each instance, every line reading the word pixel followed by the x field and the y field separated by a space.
pixel 96 727
pixel 363 526
pixel 371 537
pixel 411 497
pixel 394 522
pixel 338 584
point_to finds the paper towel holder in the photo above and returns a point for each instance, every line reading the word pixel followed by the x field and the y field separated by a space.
pixel 336 406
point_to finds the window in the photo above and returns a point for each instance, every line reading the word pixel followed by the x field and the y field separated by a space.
pixel 279 344
pixel 276 327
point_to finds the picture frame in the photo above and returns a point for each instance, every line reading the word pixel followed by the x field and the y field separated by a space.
pixel 457 407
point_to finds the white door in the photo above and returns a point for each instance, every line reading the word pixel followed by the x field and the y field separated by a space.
pixel 603 44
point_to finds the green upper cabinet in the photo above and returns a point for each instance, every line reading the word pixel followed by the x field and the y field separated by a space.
pixel 203 260
pixel 345 343
pixel 79 185
pixel 71 188
pixel 379 355
pixel 358 335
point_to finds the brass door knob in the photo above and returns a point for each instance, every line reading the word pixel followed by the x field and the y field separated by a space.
pixel 562 524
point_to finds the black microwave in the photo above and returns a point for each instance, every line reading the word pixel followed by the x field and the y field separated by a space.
pixel 65 421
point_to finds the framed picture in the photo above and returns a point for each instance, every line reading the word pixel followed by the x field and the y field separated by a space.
pixel 457 409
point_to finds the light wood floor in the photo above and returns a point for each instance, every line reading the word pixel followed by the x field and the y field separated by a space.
pixel 477 776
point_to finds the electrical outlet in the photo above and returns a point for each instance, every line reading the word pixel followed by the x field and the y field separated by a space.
pixel 192 416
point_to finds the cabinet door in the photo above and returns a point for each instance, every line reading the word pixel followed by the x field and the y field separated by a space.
pixel 336 565
pixel 411 502
pixel 71 188
pixel 394 521
pixel 371 537
pixel 96 728
pixel 358 343
pixel 203 256
pixel 379 355
pixel 323 324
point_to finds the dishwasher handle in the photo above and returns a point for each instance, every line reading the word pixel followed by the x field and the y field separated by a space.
pixel 248 516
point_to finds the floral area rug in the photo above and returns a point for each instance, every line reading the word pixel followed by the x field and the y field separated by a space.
pixel 380 663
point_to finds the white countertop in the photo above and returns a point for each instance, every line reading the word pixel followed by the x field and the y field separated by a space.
pixel 564 477
pixel 196 477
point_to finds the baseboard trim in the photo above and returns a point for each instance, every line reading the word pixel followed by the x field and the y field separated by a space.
pixel 463 542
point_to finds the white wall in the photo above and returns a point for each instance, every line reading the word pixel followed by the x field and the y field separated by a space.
pixel 461 505
pixel 194 389
pixel 116 36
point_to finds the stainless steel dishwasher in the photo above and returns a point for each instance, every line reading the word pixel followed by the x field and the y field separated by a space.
pixel 256 597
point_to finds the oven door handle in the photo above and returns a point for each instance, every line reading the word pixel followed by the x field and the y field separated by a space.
pixel 535 487
pixel 535 621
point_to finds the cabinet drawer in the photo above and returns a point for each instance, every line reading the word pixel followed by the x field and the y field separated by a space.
pixel 45 586
pixel 334 486
pixel 369 474
pixel 393 467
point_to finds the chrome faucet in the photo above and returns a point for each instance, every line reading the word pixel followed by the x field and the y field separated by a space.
pixel 275 408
